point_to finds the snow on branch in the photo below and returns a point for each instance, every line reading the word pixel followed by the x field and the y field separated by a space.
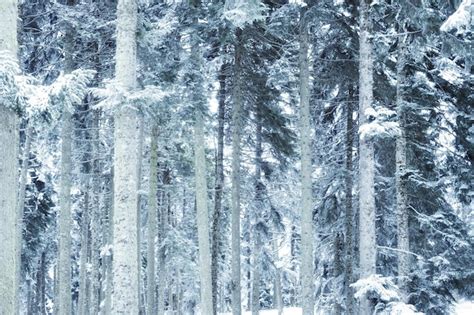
pixel 459 20
pixel 242 12
pixel 380 123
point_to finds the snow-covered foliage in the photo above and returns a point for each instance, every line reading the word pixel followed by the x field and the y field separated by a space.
pixel 461 20
pixel 242 12
pixel 380 123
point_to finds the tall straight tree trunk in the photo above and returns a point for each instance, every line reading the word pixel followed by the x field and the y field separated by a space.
pixel 257 241
pixel 306 269
pixel 277 294
pixel 163 226
pixel 125 298
pixel 348 220
pixel 401 170
pixel 83 304
pixel 65 217
pixel 219 187
pixel 367 241
pixel 139 202
pixel 237 98
pixel 10 244
pixel 202 214
pixel 41 285
pixel 152 223
pixel 95 221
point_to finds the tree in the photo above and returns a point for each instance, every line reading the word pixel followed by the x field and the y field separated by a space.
pixel 306 272
pixel 125 265
pixel 367 244
pixel 11 232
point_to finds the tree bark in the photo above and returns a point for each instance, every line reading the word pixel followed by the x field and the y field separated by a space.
pixel 236 137
pixel 257 239
pixel 202 214
pixel 152 222
pixel 401 170
pixel 367 241
pixel 219 187
pixel 125 298
pixel 349 216
pixel 306 269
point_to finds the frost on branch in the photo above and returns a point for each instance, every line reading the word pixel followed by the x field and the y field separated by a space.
pixel 242 12
pixel 69 89
pixel 459 20
pixel 114 97
pixel 380 123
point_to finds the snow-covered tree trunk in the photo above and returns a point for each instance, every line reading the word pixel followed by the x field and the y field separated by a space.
pixel 277 294
pixel 95 221
pixel 367 241
pixel 219 187
pixel 236 135
pixel 83 304
pixel 152 222
pixel 257 241
pixel 10 244
pixel 141 127
pixel 64 220
pixel 109 239
pixel 306 269
pixel 202 214
pixel 349 216
pixel 401 170
pixel 125 298
pixel 163 226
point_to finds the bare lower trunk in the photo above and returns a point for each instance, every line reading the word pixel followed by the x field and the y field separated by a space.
pixel 257 240
pixel 367 241
pixel 278 296
pixel 83 304
pixel 401 170
pixel 125 297
pixel 306 271
pixel 349 216
pixel 236 135
pixel 152 223
pixel 10 243
pixel 216 222
pixel 64 220
pixel 202 215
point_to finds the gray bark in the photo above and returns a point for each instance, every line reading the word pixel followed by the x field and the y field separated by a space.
pixel 367 241
pixel 401 170
pixel 219 187
pixel 125 297
pixel 306 269
pixel 236 135
pixel 152 223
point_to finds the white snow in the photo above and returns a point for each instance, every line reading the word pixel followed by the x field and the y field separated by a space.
pixel 463 307
pixel 286 311
pixel 459 20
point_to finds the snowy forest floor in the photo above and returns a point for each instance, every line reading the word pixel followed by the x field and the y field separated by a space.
pixel 460 308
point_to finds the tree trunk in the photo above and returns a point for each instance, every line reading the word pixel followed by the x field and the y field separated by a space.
pixel 202 214
pixel 278 295
pixel 216 224
pixel 141 303
pixel 306 269
pixel 125 298
pixel 161 252
pixel 95 220
pixel 349 216
pixel 152 222
pixel 64 220
pixel 257 240
pixel 401 170
pixel 236 135
pixel 83 304
pixel 367 241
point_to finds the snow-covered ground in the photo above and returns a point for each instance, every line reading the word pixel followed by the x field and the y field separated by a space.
pixel 464 308
pixel 286 311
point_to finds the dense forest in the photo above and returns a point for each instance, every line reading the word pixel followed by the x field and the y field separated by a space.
pixel 222 157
